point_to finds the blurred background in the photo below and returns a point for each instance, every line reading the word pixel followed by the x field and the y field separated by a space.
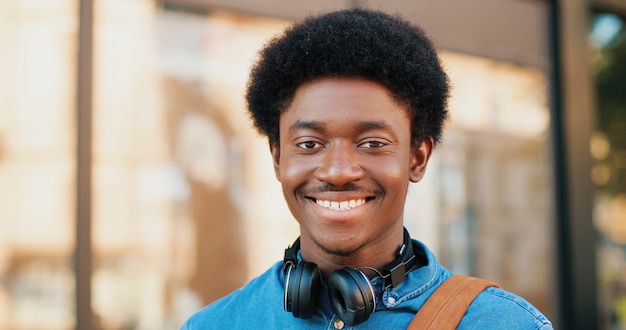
pixel 134 190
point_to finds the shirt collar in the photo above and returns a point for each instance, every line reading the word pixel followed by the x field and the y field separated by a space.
pixel 417 282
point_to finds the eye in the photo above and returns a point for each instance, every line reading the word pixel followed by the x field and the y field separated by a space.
pixel 373 144
pixel 309 145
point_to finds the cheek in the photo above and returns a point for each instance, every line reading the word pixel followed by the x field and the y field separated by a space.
pixel 294 171
pixel 394 175
pixel 393 167
pixel 395 182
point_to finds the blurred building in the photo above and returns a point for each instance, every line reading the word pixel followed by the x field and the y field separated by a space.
pixel 134 190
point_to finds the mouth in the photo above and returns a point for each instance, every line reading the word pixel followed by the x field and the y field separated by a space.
pixel 343 205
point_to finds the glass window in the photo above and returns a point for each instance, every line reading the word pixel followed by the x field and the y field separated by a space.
pixel 180 203
pixel 607 39
pixel 486 204
pixel 37 145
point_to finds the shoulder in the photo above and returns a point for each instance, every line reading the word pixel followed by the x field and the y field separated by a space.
pixel 261 295
pixel 499 309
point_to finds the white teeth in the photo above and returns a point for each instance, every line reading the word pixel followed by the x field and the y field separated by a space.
pixel 341 206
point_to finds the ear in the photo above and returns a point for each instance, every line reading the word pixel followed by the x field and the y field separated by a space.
pixel 275 151
pixel 420 154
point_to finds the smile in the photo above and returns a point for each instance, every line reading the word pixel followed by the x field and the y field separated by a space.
pixel 341 205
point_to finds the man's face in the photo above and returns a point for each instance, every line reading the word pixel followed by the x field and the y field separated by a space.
pixel 344 161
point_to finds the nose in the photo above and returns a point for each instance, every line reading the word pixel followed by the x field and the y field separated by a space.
pixel 339 166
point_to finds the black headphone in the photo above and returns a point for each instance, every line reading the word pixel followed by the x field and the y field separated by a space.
pixel 351 293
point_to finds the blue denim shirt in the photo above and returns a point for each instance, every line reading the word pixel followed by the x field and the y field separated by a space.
pixel 259 305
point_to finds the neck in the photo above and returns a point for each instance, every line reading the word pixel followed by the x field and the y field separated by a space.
pixel 377 254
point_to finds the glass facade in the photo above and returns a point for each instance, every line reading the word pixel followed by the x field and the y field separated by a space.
pixel 173 151
pixel 495 178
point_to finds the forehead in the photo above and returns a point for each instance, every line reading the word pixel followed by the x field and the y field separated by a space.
pixel 326 101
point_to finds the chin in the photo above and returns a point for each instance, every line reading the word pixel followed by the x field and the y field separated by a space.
pixel 338 249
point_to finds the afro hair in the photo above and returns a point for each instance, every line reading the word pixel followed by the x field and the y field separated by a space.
pixel 351 43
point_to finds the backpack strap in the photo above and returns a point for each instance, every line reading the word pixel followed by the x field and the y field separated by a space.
pixel 447 305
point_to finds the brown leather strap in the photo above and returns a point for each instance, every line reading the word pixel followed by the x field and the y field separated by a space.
pixel 447 305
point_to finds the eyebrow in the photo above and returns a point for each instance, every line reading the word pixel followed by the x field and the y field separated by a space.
pixel 317 125
pixel 301 124
pixel 379 124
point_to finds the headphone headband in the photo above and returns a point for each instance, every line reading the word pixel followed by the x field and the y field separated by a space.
pixel 393 273
pixel 291 255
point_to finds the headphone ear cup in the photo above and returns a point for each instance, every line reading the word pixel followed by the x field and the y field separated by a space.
pixel 301 286
pixel 351 295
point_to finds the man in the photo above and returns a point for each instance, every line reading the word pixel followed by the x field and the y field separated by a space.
pixel 352 103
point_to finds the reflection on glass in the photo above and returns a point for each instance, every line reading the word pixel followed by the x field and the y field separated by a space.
pixel 607 38
pixel 496 177
pixel 37 56
pixel 172 206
